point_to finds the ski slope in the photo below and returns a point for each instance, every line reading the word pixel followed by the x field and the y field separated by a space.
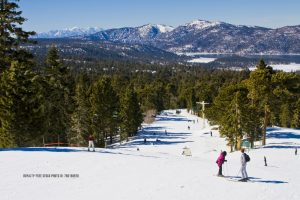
pixel 157 171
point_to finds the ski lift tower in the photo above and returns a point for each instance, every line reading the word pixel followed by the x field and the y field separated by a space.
pixel 203 108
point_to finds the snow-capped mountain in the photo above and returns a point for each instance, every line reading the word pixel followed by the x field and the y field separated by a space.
pixel 68 32
pixel 142 34
pixel 209 37
pixel 202 24
pixel 220 37
pixel 212 37
pixel 199 36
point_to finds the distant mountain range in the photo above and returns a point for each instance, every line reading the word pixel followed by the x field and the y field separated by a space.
pixel 199 36
pixel 68 32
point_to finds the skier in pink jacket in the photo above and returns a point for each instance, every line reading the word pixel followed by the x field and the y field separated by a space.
pixel 220 161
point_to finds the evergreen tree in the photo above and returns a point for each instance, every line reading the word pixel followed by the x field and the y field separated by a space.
pixel 261 93
pixel 296 116
pixel 130 114
pixel 80 117
pixel 60 89
pixel 287 92
pixel 232 110
pixel 11 35
pixel 104 110
pixel 191 100
pixel 21 107
pixel 153 96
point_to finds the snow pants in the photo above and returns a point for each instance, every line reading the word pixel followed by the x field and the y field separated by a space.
pixel 91 145
pixel 220 170
pixel 244 172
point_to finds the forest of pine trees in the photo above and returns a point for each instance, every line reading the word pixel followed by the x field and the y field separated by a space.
pixel 50 101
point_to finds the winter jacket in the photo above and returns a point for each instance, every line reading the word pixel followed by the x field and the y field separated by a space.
pixel 91 138
pixel 243 159
pixel 221 159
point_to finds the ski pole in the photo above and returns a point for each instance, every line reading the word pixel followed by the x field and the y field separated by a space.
pixel 227 169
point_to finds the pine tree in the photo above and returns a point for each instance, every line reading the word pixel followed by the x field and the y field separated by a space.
pixel 104 104
pixel 59 87
pixel 130 114
pixel 191 99
pixel 296 116
pixel 286 90
pixel 11 35
pixel 22 107
pixel 260 92
pixel 232 110
pixel 80 117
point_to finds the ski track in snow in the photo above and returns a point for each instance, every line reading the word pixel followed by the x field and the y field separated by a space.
pixel 157 170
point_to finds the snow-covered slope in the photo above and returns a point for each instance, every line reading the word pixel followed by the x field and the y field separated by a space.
pixel 157 170
pixel 68 32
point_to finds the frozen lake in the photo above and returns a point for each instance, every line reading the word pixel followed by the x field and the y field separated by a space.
pixel 291 67
pixel 202 60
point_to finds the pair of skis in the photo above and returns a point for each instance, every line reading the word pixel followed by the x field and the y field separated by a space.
pixel 235 179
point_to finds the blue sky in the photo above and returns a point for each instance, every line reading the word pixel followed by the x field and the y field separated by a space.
pixel 44 15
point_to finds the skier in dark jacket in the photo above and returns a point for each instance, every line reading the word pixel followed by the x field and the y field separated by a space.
pixel 220 161
pixel 91 143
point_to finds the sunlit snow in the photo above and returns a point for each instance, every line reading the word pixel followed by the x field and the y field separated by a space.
pixel 156 169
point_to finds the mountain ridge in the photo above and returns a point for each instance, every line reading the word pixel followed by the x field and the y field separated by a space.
pixel 206 37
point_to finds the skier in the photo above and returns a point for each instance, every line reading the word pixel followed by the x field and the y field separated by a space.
pixel 91 143
pixel 220 161
pixel 189 127
pixel 295 151
pixel 265 159
pixel 243 167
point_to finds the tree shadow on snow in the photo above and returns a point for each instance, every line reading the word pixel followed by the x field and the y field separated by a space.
pixel 152 128
pixel 281 147
pixel 283 135
pixel 126 154
pixel 154 142
pixel 179 119
pixel 159 133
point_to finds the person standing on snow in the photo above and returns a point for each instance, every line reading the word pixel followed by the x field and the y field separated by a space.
pixel 91 143
pixel 220 161
pixel 244 164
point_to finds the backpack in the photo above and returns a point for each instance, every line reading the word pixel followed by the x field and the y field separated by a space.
pixel 247 157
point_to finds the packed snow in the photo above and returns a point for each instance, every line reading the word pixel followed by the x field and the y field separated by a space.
pixel 156 169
